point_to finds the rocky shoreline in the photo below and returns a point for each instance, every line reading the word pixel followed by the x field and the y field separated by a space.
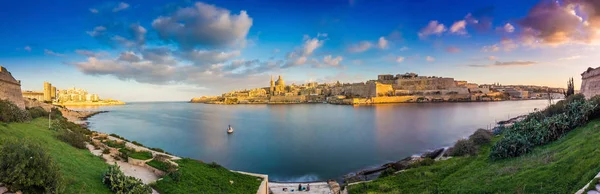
pixel 408 162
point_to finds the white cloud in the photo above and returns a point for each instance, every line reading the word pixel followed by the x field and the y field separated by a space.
pixel 129 56
pixel 311 45
pixel 430 58
pixel 49 52
pixel 324 35
pixel 94 10
pixel 382 43
pixel 491 48
pixel 507 64
pixel 332 62
pixel 205 25
pixel 459 27
pixel 509 28
pixel 207 57
pixel 399 59
pixel 27 48
pixel 276 50
pixel 139 33
pixel 98 30
pixel 121 6
pixel 433 28
pixel 404 48
pixel 360 47
pixel 570 57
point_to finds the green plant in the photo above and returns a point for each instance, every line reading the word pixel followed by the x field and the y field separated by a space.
pixel 424 162
pixel 214 165
pixel 37 112
pixel 387 172
pixel 106 151
pixel 119 183
pixel 161 165
pixel 115 144
pixel 481 137
pixel 10 112
pixel 143 155
pixel 74 139
pixel 464 147
pixel 137 143
pixel 26 166
pixel 157 149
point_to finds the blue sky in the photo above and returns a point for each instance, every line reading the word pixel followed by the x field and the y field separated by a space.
pixel 175 50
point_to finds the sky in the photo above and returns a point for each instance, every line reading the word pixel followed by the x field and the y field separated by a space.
pixel 151 50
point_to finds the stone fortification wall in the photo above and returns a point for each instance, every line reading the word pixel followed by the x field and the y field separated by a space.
pixel 10 88
pixel 428 83
pixel 287 99
pixel 590 82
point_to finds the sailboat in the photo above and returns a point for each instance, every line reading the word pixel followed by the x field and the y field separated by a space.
pixel 229 130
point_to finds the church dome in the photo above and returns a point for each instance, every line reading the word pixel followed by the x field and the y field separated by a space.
pixel 279 81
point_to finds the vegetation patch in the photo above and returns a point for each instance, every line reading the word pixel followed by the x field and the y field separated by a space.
pixel 10 112
pixel 464 147
pixel 197 177
pixel 143 155
pixel 80 170
pixel 116 180
pixel 563 166
pixel 161 165
pixel 74 139
pixel 115 144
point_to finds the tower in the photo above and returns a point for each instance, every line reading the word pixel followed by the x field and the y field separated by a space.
pixel 53 92
pixel 272 88
pixel 47 91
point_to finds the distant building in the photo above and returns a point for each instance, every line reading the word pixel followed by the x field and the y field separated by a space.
pixel 39 96
pixel 47 91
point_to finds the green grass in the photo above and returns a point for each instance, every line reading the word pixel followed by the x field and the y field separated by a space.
pixel 140 155
pixel 563 166
pixel 82 170
pixel 198 177
pixel 164 166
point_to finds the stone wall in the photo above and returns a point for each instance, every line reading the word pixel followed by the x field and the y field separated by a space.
pixel 10 88
pixel 590 82
pixel 428 83
pixel 287 99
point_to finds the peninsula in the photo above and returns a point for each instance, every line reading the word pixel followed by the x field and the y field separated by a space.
pixel 387 88
pixel 68 97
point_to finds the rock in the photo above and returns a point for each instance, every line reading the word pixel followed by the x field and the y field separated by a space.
pixel 597 187
pixel 3 190
pixel 593 192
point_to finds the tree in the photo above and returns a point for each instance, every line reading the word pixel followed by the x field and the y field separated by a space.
pixel 570 88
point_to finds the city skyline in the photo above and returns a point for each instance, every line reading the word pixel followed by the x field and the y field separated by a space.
pixel 128 49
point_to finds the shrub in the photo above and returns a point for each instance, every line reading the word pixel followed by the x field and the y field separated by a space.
pixel 214 165
pixel 10 112
pixel 119 183
pixel 74 139
pixel 137 143
pixel 37 112
pixel 157 149
pixel 464 147
pixel 106 151
pixel 161 165
pixel 424 162
pixel 27 167
pixel 115 144
pixel 481 137
pixel 144 155
pixel 387 172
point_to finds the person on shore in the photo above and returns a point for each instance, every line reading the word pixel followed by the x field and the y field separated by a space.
pixel 299 187
pixel 308 187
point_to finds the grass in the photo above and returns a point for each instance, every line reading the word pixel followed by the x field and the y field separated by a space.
pixel 198 177
pixel 164 166
pixel 140 155
pixel 82 170
pixel 563 166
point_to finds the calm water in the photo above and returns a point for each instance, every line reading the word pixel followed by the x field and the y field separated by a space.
pixel 302 142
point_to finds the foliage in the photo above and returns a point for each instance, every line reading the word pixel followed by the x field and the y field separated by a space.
pixel 387 172
pixel 137 143
pixel 117 136
pixel 143 155
pixel 570 88
pixel 560 106
pixel 10 112
pixel 157 149
pixel 61 123
pixel 424 162
pixel 119 183
pixel 197 177
pixel 481 136
pixel 26 166
pixel 75 139
pixel 563 166
pixel 106 151
pixel 37 112
pixel 533 131
pixel 161 165
pixel 464 147
pixel 80 169
pixel 115 144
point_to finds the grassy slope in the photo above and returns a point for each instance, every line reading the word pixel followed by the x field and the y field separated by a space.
pixel 82 170
pixel 564 166
pixel 199 177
